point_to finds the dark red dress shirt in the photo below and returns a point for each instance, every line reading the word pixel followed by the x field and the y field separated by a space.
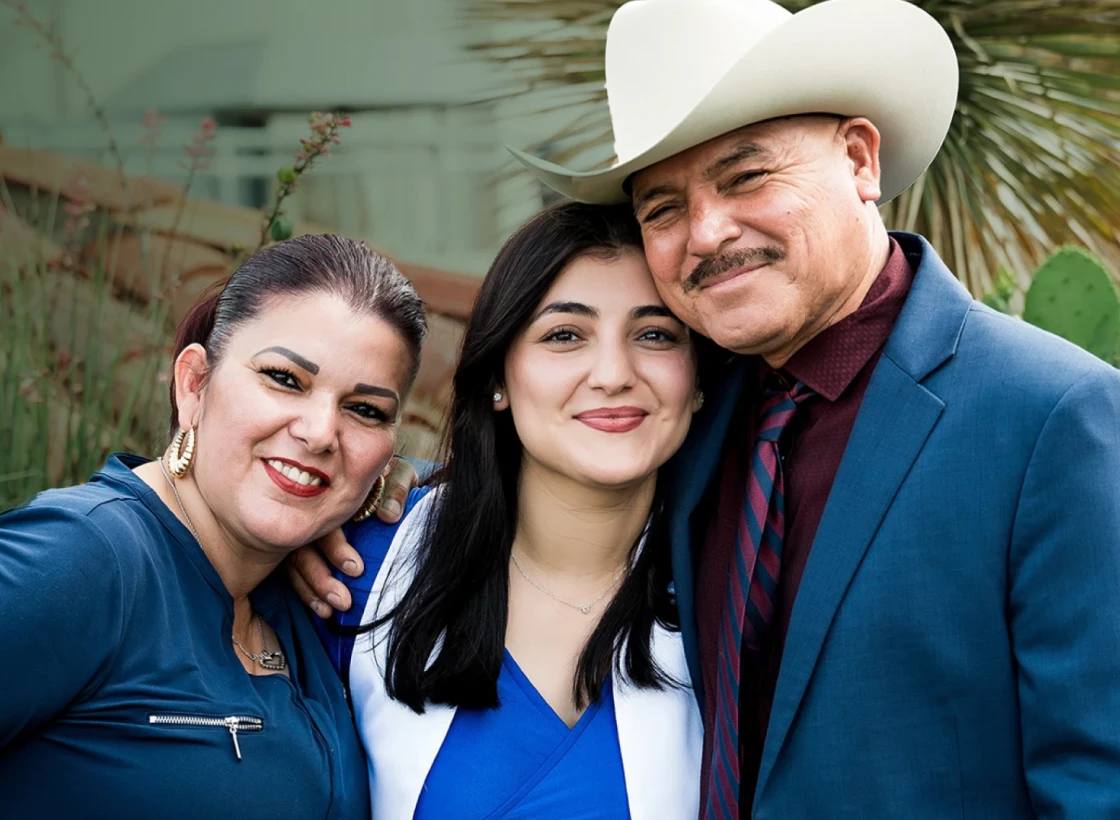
pixel 837 365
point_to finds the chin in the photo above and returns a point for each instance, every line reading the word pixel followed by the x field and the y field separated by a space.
pixel 615 477
pixel 285 531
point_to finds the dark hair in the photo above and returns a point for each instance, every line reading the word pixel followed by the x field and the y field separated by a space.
pixel 318 263
pixel 460 592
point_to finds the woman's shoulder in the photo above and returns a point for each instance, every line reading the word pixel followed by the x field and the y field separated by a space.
pixel 106 517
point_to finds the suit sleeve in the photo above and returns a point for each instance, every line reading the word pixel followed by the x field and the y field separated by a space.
pixel 61 618
pixel 1064 605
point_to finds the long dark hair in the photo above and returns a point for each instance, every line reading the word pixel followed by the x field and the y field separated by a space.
pixel 318 263
pixel 460 592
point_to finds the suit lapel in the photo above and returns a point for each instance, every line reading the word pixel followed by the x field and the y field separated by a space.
pixel 660 737
pixel 401 745
pixel 895 420
pixel 692 470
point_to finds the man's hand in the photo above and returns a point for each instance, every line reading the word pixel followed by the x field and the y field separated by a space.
pixel 308 570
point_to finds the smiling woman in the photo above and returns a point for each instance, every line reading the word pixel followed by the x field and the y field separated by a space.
pixel 151 648
pixel 521 658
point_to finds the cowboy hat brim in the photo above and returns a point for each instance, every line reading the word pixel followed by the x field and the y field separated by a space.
pixel 886 60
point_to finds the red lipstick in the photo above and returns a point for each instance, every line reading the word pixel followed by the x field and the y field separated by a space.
pixel 294 487
pixel 613 419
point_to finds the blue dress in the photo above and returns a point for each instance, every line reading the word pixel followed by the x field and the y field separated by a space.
pixel 121 695
pixel 517 762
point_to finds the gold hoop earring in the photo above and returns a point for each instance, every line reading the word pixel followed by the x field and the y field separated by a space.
pixel 373 500
pixel 181 453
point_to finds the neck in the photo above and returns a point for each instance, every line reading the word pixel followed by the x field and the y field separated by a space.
pixel 241 567
pixel 568 528
pixel 866 271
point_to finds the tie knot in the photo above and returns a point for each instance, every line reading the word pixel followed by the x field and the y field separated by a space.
pixel 777 408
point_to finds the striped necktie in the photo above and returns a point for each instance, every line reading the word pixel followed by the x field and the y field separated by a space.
pixel 749 605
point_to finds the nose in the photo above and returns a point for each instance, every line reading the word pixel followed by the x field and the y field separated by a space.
pixel 317 425
pixel 612 371
pixel 711 227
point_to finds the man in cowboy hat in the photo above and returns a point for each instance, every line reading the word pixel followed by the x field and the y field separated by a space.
pixel 916 500
pixel 896 523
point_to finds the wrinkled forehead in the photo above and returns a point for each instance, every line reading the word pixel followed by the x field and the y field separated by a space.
pixel 758 141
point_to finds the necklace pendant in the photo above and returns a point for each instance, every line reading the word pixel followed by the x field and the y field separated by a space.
pixel 273 660
pixel 585 609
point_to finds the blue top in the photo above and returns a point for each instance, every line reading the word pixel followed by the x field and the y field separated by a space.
pixel 517 762
pixel 120 675
pixel 522 762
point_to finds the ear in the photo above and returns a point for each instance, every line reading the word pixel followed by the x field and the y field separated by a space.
pixel 861 142
pixel 503 402
pixel 190 376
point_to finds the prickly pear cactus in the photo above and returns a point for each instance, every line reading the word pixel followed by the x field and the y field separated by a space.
pixel 1073 296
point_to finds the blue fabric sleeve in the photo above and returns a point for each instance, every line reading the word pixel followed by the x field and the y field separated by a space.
pixel 1064 605
pixel 61 614
pixel 372 539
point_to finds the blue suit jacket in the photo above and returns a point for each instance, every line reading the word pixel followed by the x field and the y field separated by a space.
pixel 954 649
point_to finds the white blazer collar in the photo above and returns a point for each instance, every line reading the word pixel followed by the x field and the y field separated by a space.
pixel 659 732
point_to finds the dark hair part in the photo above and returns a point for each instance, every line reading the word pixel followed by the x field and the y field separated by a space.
pixel 460 593
pixel 324 263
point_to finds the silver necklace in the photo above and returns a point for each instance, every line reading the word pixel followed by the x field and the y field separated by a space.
pixel 268 660
pixel 274 661
pixel 584 608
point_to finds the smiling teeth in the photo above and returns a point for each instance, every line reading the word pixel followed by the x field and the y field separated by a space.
pixel 298 476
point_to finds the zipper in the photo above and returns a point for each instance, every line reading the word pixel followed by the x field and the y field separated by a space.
pixel 233 723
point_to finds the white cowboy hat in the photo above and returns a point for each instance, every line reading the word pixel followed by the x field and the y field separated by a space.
pixel 681 72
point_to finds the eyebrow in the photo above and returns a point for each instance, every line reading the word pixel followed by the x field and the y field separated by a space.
pixel 577 308
pixel 580 309
pixel 306 364
pixel 657 311
pixel 371 390
pixel 649 194
pixel 741 152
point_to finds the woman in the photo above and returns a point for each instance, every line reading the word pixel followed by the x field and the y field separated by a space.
pixel 523 661
pixel 154 664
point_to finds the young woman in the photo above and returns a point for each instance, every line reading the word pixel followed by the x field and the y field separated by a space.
pixel 154 664
pixel 519 657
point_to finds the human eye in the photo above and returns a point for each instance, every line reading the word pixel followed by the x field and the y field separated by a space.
pixel 562 336
pixel 746 177
pixel 657 213
pixel 282 377
pixel 658 336
pixel 368 412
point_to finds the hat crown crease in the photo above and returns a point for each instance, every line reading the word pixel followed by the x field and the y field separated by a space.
pixel 688 46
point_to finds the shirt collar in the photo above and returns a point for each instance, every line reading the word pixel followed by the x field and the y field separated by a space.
pixel 832 359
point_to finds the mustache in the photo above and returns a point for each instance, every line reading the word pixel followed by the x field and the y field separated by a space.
pixel 715 265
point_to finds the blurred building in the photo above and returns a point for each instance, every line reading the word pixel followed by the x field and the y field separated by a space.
pixel 422 173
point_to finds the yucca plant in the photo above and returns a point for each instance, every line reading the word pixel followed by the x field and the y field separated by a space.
pixel 1031 161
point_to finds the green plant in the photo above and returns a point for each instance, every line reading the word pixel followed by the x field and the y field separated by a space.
pixel 1003 291
pixel 1030 162
pixel 276 226
pixel 1073 296
pixel 84 360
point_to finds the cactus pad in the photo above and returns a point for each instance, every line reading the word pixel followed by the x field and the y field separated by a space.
pixel 1073 296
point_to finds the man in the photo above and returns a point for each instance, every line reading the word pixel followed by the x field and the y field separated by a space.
pixel 896 523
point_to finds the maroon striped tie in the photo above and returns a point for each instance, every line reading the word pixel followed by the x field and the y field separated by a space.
pixel 749 605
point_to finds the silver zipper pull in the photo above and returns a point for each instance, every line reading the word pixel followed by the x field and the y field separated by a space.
pixel 231 722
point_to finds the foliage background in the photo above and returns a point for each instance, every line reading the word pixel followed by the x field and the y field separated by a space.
pixel 1031 159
